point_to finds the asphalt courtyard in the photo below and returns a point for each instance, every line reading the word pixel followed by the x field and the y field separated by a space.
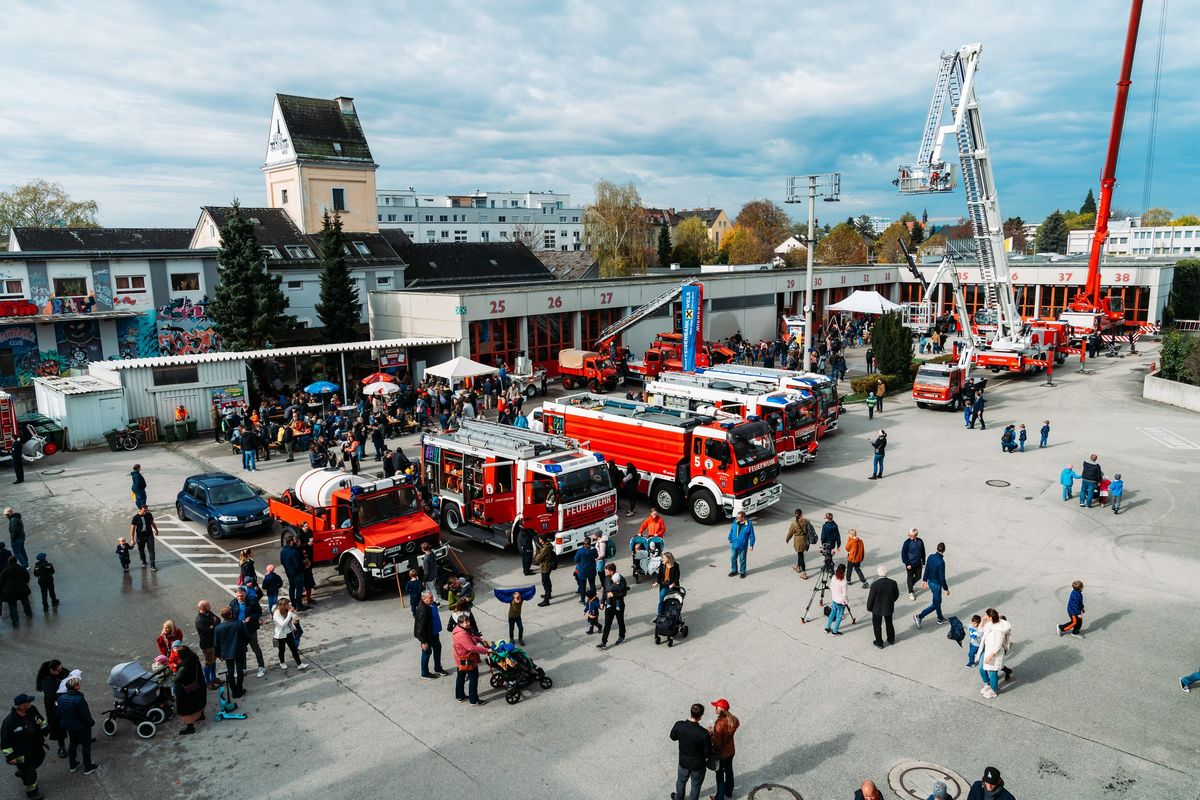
pixel 1101 716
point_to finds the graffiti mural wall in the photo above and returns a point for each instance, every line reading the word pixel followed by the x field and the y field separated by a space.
pixel 22 340
pixel 137 337
pixel 78 343
pixel 184 328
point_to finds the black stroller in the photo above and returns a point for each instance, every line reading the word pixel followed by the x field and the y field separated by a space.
pixel 139 699
pixel 669 623
pixel 513 669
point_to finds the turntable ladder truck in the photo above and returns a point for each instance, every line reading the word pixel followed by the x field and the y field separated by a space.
pixel 1016 346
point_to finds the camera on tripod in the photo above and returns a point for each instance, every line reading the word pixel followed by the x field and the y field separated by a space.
pixel 827 554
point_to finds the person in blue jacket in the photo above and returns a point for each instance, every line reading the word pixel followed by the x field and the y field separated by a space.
pixel 935 580
pixel 1067 478
pixel 585 568
pixel 912 555
pixel 75 718
pixel 1074 625
pixel 1116 490
pixel 741 539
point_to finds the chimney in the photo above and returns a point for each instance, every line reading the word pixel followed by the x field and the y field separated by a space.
pixel 345 104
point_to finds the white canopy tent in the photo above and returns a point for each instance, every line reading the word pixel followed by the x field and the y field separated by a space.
pixel 461 367
pixel 864 302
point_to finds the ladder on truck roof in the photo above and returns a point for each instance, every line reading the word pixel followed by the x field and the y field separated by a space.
pixel 737 384
pixel 517 442
pixel 639 314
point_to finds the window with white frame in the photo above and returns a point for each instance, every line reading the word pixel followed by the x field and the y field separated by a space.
pixel 391 217
pixel 362 248
pixel 271 251
pixel 485 236
pixel 383 280
pixel 299 251
pixel 408 217
pixel 12 289
pixel 130 284
pixel 295 286
pixel 460 236
pixel 548 240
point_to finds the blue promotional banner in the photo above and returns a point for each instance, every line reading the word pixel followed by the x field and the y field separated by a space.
pixel 691 326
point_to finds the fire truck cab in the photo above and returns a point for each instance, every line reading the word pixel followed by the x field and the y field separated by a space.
pixel 789 418
pixel 715 467
pixel 492 480
pixel 826 392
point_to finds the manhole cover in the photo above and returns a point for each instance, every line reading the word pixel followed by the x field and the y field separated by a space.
pixel 913 780
pixel 999 484
pixel 52 472
pixel 773 791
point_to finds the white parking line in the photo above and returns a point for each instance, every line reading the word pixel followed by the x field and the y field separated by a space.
pixel 210 560
pixel 1171 440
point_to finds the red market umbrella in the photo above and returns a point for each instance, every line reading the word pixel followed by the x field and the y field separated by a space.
pixel 378 377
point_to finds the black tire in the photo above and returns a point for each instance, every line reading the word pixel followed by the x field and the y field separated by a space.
pixel 130 443
pixel 157 715
pixel 683 632
pixel 357 584
pixel 546 682
pixel 146 730
pixel 704 507
pixel 666 497
pixel 286 532
pixel 512 696
pixel 567 382
pixel 670 642
pixel 922 404
pixel 109 726
pixel 495 680
pixel 658 640
pixel 179 511
pixel 452 518
pixel 214 530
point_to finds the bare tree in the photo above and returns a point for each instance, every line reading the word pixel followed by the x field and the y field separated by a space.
pixel 614 225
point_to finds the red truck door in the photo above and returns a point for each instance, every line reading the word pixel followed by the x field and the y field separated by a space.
pixel 711 457
pixel 499 499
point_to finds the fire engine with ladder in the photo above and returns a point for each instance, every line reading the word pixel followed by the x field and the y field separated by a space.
pixel 822 387
pixel 489 481
pixel 790 417
pixel 1009 343
pixel 717 466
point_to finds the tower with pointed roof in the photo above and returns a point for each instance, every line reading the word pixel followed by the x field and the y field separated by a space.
pixel 318 160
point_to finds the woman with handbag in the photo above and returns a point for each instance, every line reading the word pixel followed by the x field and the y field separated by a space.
pixel 191 692
pixel 468 647
pixel 837 586
pixel 285 632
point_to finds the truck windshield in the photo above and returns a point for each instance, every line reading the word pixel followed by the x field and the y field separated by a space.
pixel 752 443
pixel 582 484
pixel 933 378
pixel 381 507
pixel 799 414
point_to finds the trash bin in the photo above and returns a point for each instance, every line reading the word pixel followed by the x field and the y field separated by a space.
pixel 180 430
pixel 192 431
pixel 111 438
pixel 169 433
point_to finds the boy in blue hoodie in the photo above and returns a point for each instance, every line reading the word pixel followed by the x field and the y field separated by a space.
pixel 1045 433
pixel 1067 478
pixel 1115 490
pixel 1074 625
pixel 591 610
pixel 973 637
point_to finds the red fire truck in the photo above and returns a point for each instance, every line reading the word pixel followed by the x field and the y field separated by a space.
pixel 790 419
pixel 821 386
pixel 370 528
pixel 491 480
pixel 717 467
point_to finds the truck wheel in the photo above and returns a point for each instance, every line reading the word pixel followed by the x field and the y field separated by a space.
pixel 666 497
pixel 594 385
pixel 704 507
pixel 568 383
pixel 452 518
pixel 356 580
pixel 922 404
pixel 286 532
pixel 530 391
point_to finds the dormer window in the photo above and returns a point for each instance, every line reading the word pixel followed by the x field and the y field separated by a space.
pixel 337 148
pixel 362 248
pixel 299 251
pixel 271 252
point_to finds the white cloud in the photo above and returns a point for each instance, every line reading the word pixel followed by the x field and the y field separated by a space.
pixel 154 109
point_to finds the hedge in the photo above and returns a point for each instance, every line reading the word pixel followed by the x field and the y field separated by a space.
pixel 867 383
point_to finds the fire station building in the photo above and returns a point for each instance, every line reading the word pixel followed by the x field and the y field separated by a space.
pixel 493 323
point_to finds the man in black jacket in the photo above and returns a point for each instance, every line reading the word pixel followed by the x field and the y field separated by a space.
pixel 206 623
pixel 991 787
pixel 14 589
pixel 613 589
pixel 427 625
pixel 695 747
pixel 881 603
pixel 1092 475
pixel 231 641
pixel 247 610
pixel 22 739
pixel 525 545
pixel 879 445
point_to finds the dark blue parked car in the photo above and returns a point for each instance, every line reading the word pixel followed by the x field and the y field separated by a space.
pixel 225 504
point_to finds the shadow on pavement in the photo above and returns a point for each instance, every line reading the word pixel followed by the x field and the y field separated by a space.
pixel 803 758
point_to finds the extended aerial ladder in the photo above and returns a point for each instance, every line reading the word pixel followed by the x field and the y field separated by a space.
pixel 921 314
pixel 1089 311
pixel 641 313
pixel 1016 346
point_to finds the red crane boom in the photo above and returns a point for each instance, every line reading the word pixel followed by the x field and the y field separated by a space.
pixel 1089 300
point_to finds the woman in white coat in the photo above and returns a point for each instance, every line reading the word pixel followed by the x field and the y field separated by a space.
pixel 285 620
pixel 993 645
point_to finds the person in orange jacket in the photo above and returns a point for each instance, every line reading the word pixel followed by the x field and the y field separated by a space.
pixel 653 525
pixel 855 551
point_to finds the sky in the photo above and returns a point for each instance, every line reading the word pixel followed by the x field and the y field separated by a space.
pixel 154 109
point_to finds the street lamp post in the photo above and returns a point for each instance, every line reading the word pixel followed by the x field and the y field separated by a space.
pixel 829 186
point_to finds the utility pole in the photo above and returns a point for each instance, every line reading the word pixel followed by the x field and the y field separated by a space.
pixel 827 186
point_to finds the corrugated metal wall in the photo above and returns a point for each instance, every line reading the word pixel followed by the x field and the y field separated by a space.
pixel 144 399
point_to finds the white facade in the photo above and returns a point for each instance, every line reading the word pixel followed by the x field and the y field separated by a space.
pixel 1128 239
pixel 543 220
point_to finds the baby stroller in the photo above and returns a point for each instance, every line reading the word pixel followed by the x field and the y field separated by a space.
pixel 139 699
pixel 669 622
pixel 513 669
pixel 647 556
